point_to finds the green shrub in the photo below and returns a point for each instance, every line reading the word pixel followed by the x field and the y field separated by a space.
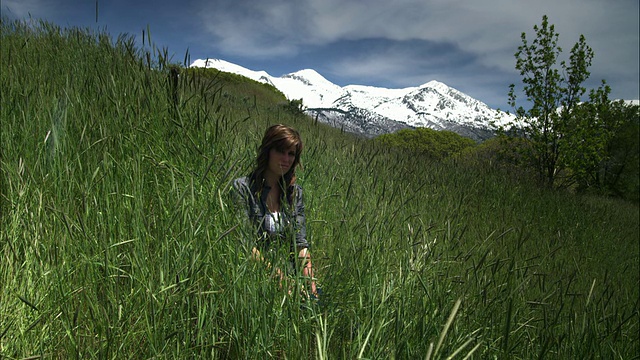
pixel 431 144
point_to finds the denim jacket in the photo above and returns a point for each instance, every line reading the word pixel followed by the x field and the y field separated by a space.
pixel 257 212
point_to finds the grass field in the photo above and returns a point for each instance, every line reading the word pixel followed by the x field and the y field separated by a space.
pixel 118 238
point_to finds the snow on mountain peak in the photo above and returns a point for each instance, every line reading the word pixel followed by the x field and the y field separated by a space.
pixel 308 85
pixel 435 84
pixel 373 110
pixel 309 76
pixel 226 66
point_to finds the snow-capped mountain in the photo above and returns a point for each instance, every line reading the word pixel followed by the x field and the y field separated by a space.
pixel 372 111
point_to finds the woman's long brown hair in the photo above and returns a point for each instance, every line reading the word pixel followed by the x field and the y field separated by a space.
pixel 280 137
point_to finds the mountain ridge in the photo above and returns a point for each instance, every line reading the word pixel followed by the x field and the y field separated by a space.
pixel 370 111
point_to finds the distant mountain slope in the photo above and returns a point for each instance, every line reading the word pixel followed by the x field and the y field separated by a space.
pixel 371 111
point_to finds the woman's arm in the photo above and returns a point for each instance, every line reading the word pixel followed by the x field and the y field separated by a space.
pixel 302 245
pixel 307 268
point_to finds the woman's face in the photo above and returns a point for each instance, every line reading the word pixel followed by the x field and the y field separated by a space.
pixel 280 161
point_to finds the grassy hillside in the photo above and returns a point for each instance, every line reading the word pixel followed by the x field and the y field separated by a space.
pixel 118 238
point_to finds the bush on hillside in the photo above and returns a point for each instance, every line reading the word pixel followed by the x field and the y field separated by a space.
pixel 435 145
pixel 619 173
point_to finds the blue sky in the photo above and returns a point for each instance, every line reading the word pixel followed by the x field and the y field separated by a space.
pixel 468 45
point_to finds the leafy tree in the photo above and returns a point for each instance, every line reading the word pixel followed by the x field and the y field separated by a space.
pixel 589 131
pixel 553 93
pixel 621 169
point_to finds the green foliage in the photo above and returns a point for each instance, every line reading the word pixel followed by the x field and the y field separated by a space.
pixel 428 143
pixel 295 106
pixel 501 155
pixel 234 83
pixel 613 167
pixel 622 168
pixel 117 237
pixel 553 94
pixel 573 144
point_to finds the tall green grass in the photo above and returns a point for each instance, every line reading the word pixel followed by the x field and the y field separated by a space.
pixel 119 240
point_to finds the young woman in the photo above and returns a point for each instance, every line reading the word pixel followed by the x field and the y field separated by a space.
pixel 273 203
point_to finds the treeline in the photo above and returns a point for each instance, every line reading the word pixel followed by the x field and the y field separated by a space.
pixel 575 138
pixel 609 167
pixel 563 137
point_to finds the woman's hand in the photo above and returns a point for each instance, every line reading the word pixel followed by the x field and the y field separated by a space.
pixel 307 269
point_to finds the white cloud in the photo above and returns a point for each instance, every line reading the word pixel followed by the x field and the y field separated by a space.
pixel 22 9
pixel 490 29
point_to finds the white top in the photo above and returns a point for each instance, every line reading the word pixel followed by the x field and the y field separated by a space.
pixel 273 222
